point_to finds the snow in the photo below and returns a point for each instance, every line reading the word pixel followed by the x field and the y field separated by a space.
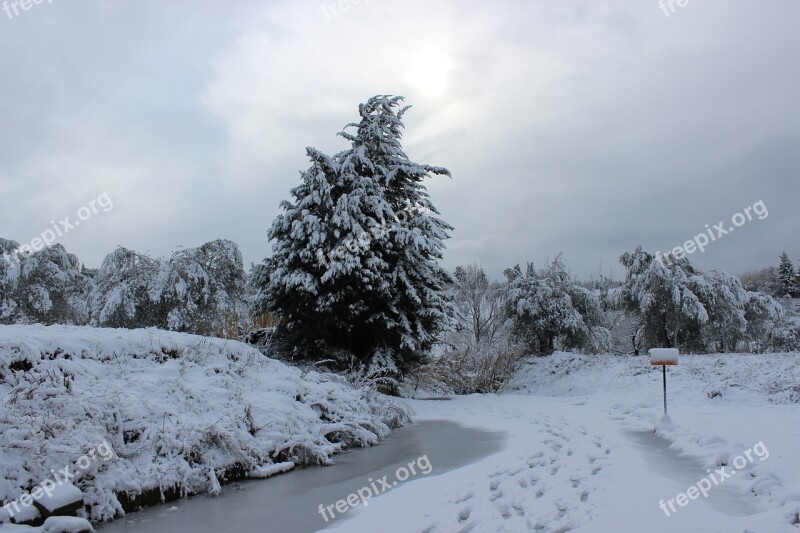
pixel 582 454
pixel 178 411
pixel 586 447
pixel 59 496
pixel 54 524
pixel 66 524
pixel 263 472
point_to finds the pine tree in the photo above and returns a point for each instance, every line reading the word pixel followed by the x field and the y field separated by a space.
pixel 355 269
pixel 787 276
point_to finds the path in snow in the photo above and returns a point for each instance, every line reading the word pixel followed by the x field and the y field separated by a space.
pixel 669 463
pixel 569 464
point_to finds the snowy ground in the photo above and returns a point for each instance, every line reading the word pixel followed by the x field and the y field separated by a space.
pixel 580 450
pixel 177 410
pixel 581 453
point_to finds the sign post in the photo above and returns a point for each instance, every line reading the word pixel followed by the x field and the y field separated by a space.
pixel 664 357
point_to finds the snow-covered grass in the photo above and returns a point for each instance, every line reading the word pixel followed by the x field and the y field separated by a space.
pixel 181 412
pixel 774 377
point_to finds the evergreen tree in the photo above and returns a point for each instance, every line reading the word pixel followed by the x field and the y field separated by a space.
pixel 787 277
pixel 355 269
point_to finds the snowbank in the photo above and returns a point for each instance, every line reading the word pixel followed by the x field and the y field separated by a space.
pixel 775 377
pixel 182 414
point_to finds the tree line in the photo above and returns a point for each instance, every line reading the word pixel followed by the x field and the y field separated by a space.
pixel 355 280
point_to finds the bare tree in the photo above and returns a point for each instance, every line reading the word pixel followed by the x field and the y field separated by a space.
pixel 480 303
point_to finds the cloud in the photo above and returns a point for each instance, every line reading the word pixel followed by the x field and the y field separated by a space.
pixel 569 126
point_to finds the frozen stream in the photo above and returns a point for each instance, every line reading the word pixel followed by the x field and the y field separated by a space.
pixel 290 502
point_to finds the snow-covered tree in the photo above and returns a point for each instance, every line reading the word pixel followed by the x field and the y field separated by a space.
pixel 664 297
pixel 724 300
pixel 355 255
pixel 122 293
pixel 201 287
pixel 9 281
pixel 550 310
pixel 765 280
pixel 46 286
pixel 769 329
pixel 193 291
pixel 480 305
pixel 787 276
pixel 679 306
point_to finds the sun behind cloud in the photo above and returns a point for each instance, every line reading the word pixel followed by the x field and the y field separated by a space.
pixel 428 71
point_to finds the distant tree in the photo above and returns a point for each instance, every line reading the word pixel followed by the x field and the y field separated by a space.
pixel 9 281
pixel 724 299
pixel 355 257
pixel 201 287
pixel 665 297
pixel 769 329
pixel 126 293
pixel 550 310
pixel 45 286
pixel 765 280
pixel 682 307
pixel 480 305
pixel 194 291
pixel 787 276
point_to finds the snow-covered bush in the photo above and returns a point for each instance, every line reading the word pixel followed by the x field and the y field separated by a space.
pixel 182 413
pixel 379 374
pixel 202 287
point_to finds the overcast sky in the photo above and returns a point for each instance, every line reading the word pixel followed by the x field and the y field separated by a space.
pixel 577 127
